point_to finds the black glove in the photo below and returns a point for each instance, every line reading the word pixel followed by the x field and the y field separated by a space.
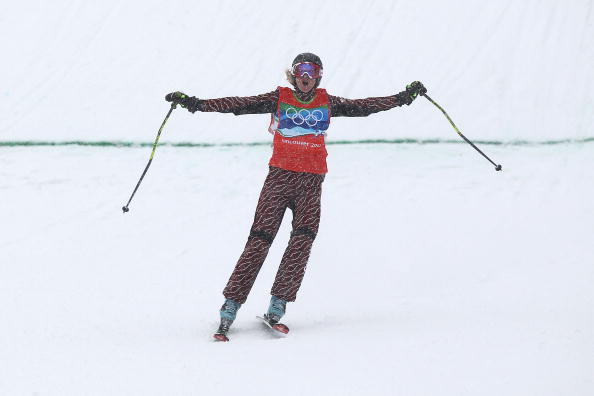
pixel 191 103
pixel 415 89
pixel 412 91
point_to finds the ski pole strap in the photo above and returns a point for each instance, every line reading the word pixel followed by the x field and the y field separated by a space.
pixel 497 167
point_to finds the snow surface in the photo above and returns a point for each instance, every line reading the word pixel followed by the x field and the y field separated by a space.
pixel 432 274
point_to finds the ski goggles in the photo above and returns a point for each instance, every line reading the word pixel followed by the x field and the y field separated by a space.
pixel 311 69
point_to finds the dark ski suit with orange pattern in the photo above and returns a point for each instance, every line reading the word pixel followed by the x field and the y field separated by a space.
pixel 297 170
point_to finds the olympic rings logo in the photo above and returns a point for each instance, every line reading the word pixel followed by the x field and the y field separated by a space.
pixel 310 118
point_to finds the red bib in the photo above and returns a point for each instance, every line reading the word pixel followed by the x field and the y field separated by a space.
pixel 299 129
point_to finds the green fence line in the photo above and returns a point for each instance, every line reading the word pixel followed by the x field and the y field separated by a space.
pixel 36 143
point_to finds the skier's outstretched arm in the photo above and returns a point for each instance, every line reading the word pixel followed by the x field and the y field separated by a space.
pixel 342 107
pixel 259 104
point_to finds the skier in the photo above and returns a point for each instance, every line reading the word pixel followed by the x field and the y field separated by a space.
pixel 300 117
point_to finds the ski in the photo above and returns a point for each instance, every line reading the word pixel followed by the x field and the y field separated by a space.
pixel 220 337
pixel 278 327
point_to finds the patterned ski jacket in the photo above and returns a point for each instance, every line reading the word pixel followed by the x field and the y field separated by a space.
pixel 305 150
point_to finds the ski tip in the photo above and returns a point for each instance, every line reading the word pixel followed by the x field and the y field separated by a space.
pixel 281 328
pixel 221 337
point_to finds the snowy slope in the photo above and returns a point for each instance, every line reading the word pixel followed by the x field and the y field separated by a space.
pixel 505 70
pixel 432 274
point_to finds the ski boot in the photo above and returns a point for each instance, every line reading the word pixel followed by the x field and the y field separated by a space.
pixel 276 311
pixel 221 334
pixel 228 313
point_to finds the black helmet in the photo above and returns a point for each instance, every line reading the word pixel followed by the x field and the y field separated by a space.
pixel 308 57
pixel 305 57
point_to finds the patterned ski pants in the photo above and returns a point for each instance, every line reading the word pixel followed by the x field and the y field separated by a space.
pixel 300 192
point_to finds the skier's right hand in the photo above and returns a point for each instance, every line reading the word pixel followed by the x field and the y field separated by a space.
pixel 176 97
pixel 191 103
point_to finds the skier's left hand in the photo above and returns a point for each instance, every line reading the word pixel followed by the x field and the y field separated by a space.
pixel 415 89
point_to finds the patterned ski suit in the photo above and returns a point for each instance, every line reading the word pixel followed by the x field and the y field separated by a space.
pixel 294 181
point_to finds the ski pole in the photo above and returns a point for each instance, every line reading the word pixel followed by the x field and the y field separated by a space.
pixel 497 167
pixel 173 105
